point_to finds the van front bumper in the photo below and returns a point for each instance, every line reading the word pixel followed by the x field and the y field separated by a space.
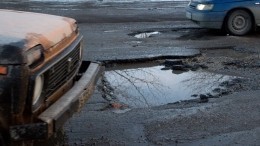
pixel 57 114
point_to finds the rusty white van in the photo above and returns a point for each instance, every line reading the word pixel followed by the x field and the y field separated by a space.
pixel 43 79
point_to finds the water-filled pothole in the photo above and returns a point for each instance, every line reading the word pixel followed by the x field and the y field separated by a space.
pixel 145 34
pixel 160 84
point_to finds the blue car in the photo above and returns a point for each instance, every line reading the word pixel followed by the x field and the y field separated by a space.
pixel 237 17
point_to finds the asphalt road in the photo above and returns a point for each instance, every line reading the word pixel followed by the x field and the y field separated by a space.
pixel 109 30
pixel 106 28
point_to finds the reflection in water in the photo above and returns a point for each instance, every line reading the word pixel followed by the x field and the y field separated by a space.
pixel 144 87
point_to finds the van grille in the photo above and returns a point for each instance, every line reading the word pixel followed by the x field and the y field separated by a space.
pixel 61 72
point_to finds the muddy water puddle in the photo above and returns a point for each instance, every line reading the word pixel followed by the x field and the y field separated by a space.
pixel 154 85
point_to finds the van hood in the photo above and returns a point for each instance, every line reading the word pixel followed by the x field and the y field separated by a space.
pixel 20 31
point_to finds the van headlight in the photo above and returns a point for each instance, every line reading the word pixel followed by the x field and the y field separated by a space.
pixel 204 7
pixel 38 87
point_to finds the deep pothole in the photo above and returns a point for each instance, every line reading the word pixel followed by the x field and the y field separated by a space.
pixel 180 33
pixel 144 34
pixel 153 84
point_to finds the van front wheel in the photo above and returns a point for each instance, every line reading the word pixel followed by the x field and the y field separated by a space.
pixel 239 22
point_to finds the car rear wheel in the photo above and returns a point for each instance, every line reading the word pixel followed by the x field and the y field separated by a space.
pixel 239 22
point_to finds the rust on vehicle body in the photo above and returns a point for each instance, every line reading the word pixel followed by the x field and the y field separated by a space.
pixel 33 32
pixel 59 57
pixel 30 33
